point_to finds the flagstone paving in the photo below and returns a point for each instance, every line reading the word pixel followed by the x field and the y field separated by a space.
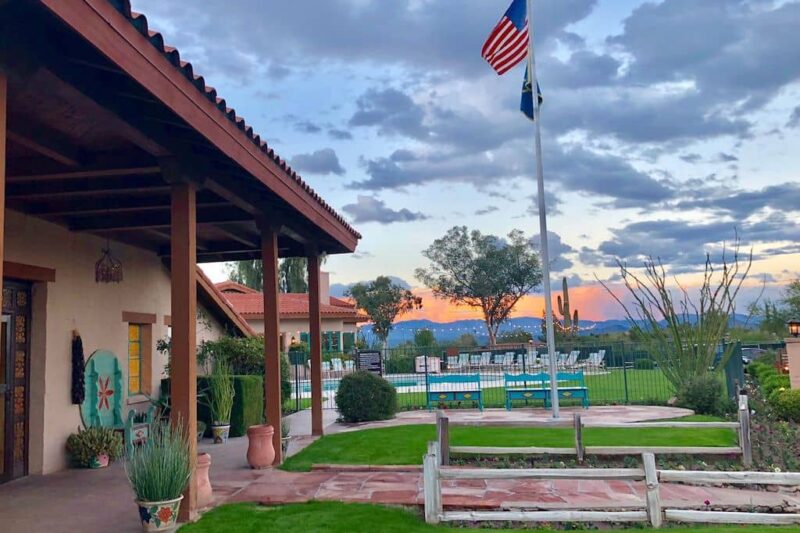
pixel 405 488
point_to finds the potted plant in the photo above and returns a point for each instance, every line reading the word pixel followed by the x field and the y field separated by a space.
pixel 220 400
pixel 158 472
pixel 94 447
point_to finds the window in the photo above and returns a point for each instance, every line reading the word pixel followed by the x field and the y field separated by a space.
pixel 134 359
pixel 349 339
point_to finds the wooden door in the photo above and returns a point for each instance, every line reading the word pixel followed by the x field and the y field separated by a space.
pixel 14 379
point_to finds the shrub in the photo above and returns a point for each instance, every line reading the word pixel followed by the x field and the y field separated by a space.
pixel 787 404
pixel 773 382
pixel 248 402
pixel 702 393
pixel 85 445
pixel 159 469
pixel 246 357
pixel 644 364
pixel 363 397
pixel 400 363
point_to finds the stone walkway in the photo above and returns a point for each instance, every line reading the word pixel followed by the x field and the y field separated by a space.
pixel 403 486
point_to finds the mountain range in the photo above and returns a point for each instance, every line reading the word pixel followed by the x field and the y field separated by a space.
pixel 449 331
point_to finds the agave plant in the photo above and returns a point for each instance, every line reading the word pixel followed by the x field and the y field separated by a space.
pixel 159 469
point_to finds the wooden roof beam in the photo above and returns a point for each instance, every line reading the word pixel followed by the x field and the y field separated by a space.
pixel 85 173
pixel 44 141
pixel 86 193
pixel 114 222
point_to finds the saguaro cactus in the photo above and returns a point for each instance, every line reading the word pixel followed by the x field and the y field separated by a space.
pixel 570 321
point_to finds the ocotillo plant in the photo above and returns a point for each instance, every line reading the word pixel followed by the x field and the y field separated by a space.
pixel 569 322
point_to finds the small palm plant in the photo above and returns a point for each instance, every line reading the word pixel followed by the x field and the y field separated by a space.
pixel 220 395
pixel 158 471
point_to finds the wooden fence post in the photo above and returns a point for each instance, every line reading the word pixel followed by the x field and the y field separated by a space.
pixel 653 498
pixel 443 437
pixel 744 431
pixel 579 449
pixel 431 486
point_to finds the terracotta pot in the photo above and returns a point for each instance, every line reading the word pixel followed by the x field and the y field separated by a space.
pixel 204 492
pixel 220 432
pixel 159 516
pixel 260 452
pixel 100 461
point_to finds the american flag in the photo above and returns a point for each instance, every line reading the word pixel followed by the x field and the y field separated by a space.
pixel 507 45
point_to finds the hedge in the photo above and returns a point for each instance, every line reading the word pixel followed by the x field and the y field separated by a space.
pixel 248 403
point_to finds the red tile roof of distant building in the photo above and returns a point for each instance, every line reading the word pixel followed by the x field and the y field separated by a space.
pixel 250 304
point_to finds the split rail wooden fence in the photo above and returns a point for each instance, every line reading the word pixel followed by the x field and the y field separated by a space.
pixel 742 428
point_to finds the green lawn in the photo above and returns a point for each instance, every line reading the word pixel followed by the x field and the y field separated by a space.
pixel 643 386
pixel 405 445
pixel 334 517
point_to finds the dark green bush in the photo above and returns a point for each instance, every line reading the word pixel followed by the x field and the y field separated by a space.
pixel 246 357
pixel 703 394
pixel 248 403
pixel 400 363
pixel 363 397
pixel 773 382
pixel 787 404
pixel 644 364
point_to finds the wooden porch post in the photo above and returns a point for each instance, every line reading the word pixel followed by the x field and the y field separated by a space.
pixel 272 347
pixel 183 371
pixel 315 336
pixel 3 107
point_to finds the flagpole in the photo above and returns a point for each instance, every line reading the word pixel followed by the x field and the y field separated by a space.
pixel 545 255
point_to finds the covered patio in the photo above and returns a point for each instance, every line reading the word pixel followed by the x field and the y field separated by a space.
pixel 106 132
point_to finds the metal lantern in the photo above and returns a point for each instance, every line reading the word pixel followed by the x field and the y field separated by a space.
pixel 108 269
pixel 794 327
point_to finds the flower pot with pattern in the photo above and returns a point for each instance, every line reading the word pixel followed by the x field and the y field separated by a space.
pixel 99 461
pixel 159 516
pixel 220 431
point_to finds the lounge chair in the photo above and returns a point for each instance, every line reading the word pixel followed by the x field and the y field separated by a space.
pixel 572 358
pixel 452 362
pixel 508 360
pixel 497 360
pixel 463 360
pixel 486 359
pixel 349 365
pixel 336 365
pixel 474 361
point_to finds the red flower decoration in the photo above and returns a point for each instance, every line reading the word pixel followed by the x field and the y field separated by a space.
pixel 104 393
pixel 164 514
pixel 707 502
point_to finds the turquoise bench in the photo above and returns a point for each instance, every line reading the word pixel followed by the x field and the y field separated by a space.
pixel 537 387
pixel 465 387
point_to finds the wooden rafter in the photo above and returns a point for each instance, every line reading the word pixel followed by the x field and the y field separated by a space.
pixel 44 141
pixel 85 173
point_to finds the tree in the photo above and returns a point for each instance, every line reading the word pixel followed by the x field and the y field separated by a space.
pixel 383 301
pixel 683 334
pixel 293 274
pixel 249 273
pixel 515 336
pixel 424 338
pixel 483 271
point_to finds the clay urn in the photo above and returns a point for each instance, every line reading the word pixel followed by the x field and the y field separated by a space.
pixel 260 451
pixel 204 492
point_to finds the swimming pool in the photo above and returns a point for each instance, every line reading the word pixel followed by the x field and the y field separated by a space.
pixel 330 385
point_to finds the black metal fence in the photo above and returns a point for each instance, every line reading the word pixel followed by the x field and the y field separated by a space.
pixel 613 373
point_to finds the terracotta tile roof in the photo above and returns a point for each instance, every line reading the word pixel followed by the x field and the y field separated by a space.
pixel 291 305
pixel 139 21
pixel 232 286
pixel 217 299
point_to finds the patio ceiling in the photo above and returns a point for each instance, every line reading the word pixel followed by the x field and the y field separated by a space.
pixel 94 140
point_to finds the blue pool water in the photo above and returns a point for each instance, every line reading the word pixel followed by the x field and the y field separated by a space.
pixel 333 384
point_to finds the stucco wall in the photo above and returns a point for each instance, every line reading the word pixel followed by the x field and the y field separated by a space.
pixel 75 301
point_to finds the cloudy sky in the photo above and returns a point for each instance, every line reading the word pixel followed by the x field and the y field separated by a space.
pixel 667 126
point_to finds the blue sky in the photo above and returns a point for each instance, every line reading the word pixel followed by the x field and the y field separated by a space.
pixel 667 125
